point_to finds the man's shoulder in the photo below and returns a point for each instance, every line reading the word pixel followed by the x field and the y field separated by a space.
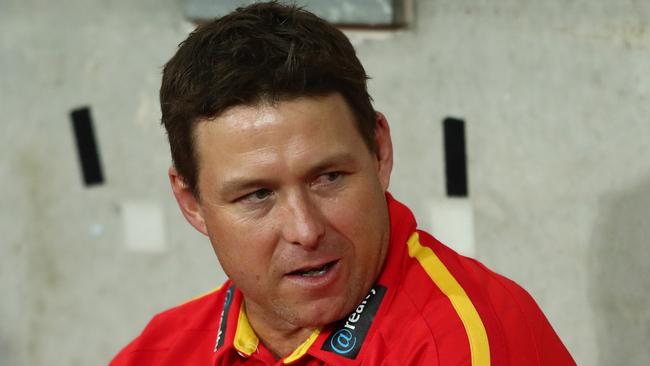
pixel 516 328
pixel 163 330
pixel 194 313
pixel 476 279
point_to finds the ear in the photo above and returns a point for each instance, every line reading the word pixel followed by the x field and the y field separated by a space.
pixel 188 203
pixel 384 152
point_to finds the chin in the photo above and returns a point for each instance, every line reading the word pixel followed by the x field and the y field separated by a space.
pixel 323 312
pixel 318 320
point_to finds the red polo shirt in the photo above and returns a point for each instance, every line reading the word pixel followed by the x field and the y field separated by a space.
pixel 430 306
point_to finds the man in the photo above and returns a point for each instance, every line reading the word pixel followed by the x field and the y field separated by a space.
pixel 281 160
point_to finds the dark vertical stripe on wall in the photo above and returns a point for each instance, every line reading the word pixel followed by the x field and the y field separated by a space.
pixel 87 146
pixel 455 158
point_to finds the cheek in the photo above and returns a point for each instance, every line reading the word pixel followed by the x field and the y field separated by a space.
pixel 362 219
pixel 352 216
pixel 244 249
pixel 244 264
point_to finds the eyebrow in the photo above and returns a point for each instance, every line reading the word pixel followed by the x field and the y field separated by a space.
pixel 232 186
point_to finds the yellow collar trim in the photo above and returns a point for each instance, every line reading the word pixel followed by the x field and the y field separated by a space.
pixel 302 349
pixel 246 340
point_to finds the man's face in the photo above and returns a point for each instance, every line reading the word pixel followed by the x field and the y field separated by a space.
pixel 293 202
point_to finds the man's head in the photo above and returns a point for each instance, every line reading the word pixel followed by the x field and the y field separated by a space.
pixel 265 52
pixel 291 162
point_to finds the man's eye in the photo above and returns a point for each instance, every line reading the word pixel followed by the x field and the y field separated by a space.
pixel 258 196
pixel 332 176
pixel 328 178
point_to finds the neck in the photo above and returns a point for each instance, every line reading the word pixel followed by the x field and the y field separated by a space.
pixel 281 338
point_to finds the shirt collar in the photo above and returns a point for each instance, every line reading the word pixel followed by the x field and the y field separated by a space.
pixel 240 337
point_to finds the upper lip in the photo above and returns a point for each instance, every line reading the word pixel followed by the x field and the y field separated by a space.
pixel 311 266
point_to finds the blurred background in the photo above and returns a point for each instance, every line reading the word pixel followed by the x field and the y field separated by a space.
pixel 555 99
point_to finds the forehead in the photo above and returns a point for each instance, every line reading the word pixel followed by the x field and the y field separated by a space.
pixel 311 109
pixel 282 134
pixel 330 113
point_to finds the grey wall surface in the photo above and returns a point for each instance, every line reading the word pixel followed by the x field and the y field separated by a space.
pixel 556 99
pixel 358 12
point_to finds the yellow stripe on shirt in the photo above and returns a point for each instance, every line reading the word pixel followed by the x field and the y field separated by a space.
pixel 440 275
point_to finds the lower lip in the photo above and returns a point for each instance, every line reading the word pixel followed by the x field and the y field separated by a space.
pixel 317 282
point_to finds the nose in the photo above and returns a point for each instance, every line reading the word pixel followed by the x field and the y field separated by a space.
pixel 303 223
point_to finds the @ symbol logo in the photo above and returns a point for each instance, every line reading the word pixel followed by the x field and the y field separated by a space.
pixel 343 341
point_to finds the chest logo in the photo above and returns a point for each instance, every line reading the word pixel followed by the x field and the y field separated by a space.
pixel 349 333
pixel 343 341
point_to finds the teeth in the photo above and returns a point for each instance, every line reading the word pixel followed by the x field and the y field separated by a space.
pixel 314 273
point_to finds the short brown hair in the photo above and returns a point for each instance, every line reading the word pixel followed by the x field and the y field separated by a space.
pixel 265 52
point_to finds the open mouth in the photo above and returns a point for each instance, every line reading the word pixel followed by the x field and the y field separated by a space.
pixel 313 271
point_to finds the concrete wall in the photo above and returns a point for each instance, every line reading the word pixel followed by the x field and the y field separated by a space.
pixel 554 93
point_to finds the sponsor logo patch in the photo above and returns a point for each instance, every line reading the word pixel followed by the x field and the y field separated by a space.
pixel 349 333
